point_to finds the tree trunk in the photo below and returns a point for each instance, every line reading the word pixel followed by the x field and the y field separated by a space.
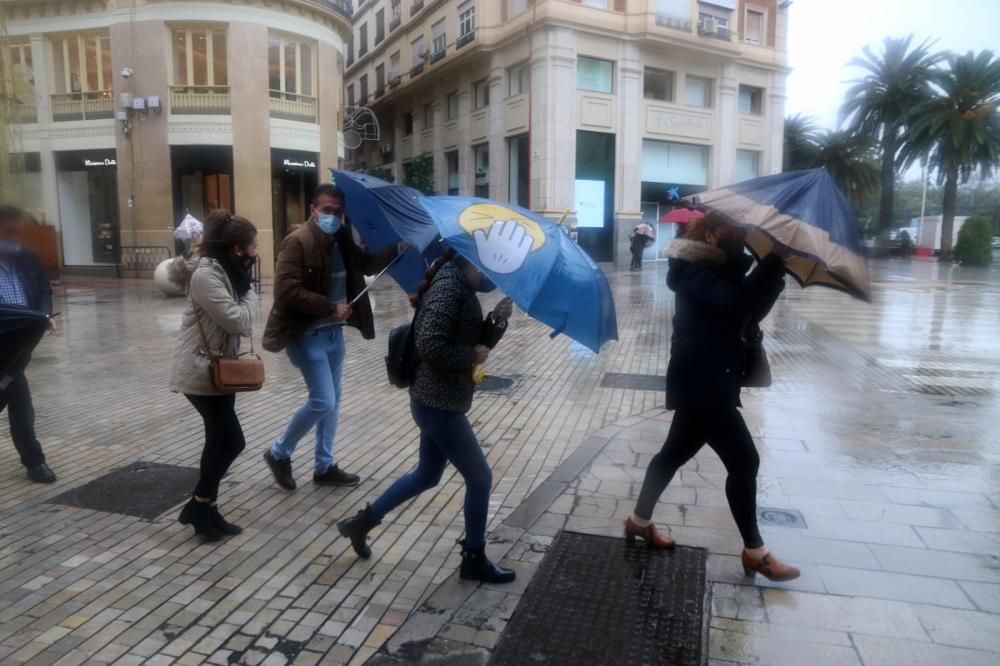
pixel 948 212
pixel 887 193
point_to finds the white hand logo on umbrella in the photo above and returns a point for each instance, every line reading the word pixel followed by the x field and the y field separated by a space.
pixel 505 247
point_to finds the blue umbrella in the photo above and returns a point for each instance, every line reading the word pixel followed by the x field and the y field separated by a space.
pixel 383 214
pixel 805 212
pixel 531 260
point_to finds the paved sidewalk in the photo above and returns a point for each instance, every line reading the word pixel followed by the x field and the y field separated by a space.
pixel 882 430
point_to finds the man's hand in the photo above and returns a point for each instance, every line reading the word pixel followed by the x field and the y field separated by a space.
pixel 503 310
pixel 52 328
pixel 482 353
pixel 342 312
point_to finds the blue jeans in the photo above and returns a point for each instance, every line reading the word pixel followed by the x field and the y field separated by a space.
pixel 319 356
pixel 445 437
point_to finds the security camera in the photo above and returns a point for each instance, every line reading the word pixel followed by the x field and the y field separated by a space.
pixel 127 72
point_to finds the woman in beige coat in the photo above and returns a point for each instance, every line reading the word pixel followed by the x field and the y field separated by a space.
pixel 222 300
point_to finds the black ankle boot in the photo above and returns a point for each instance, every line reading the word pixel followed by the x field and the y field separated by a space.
pixel 476 566
pixel 357 528
pixel 199 515
pixel 224 527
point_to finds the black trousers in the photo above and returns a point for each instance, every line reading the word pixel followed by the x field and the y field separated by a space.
pixel 223 440
pixel 724 430
pixel 21 415
pixel 637 252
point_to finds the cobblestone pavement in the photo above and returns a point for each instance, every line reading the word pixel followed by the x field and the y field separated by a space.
pixel 881 430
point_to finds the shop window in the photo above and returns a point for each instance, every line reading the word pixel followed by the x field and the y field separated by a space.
pixel 481 94
pixel 697 91
pixel 658 84
pixel 750 100
pixel 747 164
pixel 451 159
pixel 481 160
pixel 595 75
pixel 518 171
pixel 518 79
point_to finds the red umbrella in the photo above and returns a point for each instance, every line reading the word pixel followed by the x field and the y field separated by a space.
pixel 681 215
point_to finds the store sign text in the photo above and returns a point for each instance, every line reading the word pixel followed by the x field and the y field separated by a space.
pixel 304 164
pixel 100 163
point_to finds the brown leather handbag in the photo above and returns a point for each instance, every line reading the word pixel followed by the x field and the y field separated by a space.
pixel 233 374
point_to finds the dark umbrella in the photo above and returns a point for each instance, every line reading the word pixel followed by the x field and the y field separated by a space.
pixel 21 329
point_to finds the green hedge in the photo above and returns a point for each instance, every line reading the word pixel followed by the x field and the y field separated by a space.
pixel 974 245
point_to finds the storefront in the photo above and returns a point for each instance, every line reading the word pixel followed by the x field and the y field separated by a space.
pixel 87 183
pixel 202 179
pixel 294 177
pixel 594 193
pixel 667 165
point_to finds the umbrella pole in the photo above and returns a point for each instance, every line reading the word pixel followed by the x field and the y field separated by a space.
pixel 375 279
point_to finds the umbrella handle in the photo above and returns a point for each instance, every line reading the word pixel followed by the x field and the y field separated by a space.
pixel 375 279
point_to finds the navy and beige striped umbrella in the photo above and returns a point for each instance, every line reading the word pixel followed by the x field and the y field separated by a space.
pixel 806 213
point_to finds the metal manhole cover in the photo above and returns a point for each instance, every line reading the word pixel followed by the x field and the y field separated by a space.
pixel 141 489
pixel 597 600
pixel 634 382
pixel 781 517
pixel 492 384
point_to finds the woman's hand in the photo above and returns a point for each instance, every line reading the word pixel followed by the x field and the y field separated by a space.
pixel 482 353
pixel 503 310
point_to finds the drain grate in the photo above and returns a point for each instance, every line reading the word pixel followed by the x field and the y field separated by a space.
pixel 634 382
pixel 493 384
pixel 142 489
pixel 780 517
pixel 597 600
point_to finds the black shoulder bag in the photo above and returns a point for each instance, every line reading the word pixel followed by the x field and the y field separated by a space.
pixel 401 361
pixel 756 368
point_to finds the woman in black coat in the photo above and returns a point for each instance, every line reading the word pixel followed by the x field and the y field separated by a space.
pixel 715 300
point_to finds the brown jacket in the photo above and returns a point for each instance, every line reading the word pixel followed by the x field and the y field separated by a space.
pixel 302 280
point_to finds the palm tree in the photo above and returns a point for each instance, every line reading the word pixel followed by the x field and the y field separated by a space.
pixel 958 129
pixel 879 104
pixel 800 142
pixel 850 159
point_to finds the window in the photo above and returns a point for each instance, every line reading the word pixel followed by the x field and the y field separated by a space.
pixel 350 95
pixel 678 10
pixel 481 94
pixel 200 58
pixel 380 79
pixel 408 123
pixel 396 14
pixel 364 90
pixel 658 84
pixel 418 51
pixel 697 91
pixel 23 80
pixel 394 73
pixel 428 116
pixel 518 79
pixel 747 165
pixel 451 159
pixel 600 4
pixel 750 100
pixel 290 66
pixel 518 171
pixel 379 26
pixel 350 52
pixel 754 27
pixel 452 106
pixel 439 43
pixel 516 7
pixel 362 40
pixel 466 19
pixel 80 64
pixel 721 22
pixel 596 75
pixel 481 160
pixel 674 163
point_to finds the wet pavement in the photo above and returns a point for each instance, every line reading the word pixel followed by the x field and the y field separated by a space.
pixel 882 430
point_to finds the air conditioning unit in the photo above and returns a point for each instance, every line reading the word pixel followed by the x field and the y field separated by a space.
pixel 385 148
pixel 708 26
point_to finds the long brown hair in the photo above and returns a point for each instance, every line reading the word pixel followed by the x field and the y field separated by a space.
pixel 699 228
pixel 223 229
pixel 431 273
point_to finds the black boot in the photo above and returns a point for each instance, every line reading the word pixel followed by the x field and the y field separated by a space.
pixel 357 528
pixel 224 527
pixel 476 566
pixel 199 515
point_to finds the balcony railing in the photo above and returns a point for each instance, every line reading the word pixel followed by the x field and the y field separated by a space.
pixel 23 114
pixel 438 55
pixel 394 23
pixel 83 106
pixel 467 38
pixel 288 106
pixel 200 100
pixel 416 7
pixel 343 7
pixel 417 69
pixel 674 22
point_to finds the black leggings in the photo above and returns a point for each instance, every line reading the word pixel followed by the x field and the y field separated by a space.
pixel 724 430
pixel 223 440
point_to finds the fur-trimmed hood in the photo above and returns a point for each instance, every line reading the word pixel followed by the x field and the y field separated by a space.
pixel 694 251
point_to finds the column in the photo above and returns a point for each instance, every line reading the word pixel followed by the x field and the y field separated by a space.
pixel 724 142
pixel 251 133
pixel 628 148
pixel 498 141
pixel 466 169
pixel 553 120
pixel 774 150
pixel 43 109
pixel 331 83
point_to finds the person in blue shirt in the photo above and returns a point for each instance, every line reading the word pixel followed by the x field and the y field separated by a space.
pixel 23 282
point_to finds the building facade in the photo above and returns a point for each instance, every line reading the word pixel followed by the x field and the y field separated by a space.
pixel 592 106
pixel 132 113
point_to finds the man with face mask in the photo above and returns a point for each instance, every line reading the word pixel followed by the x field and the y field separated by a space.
pixel 22 282
pixel 320 270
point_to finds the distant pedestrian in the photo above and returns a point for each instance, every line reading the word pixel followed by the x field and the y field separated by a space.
pixel 321 269
pixel 716 299
pixel 23 282
pixel 451 339
pixel 223 305
pixel 642 236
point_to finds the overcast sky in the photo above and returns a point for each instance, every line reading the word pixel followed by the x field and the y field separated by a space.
pixel 824 35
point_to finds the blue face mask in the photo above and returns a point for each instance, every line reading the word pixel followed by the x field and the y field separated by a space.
pixel 6 247
pixel 328 224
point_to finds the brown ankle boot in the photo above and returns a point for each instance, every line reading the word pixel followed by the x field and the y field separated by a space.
pixel 769 567
pixel 649 534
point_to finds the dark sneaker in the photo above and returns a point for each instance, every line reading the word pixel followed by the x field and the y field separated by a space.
pixel 41 474
pixel 334 476
pixel 281 469
pixel 356 529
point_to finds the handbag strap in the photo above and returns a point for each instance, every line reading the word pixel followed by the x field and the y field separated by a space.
pixel 204 338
